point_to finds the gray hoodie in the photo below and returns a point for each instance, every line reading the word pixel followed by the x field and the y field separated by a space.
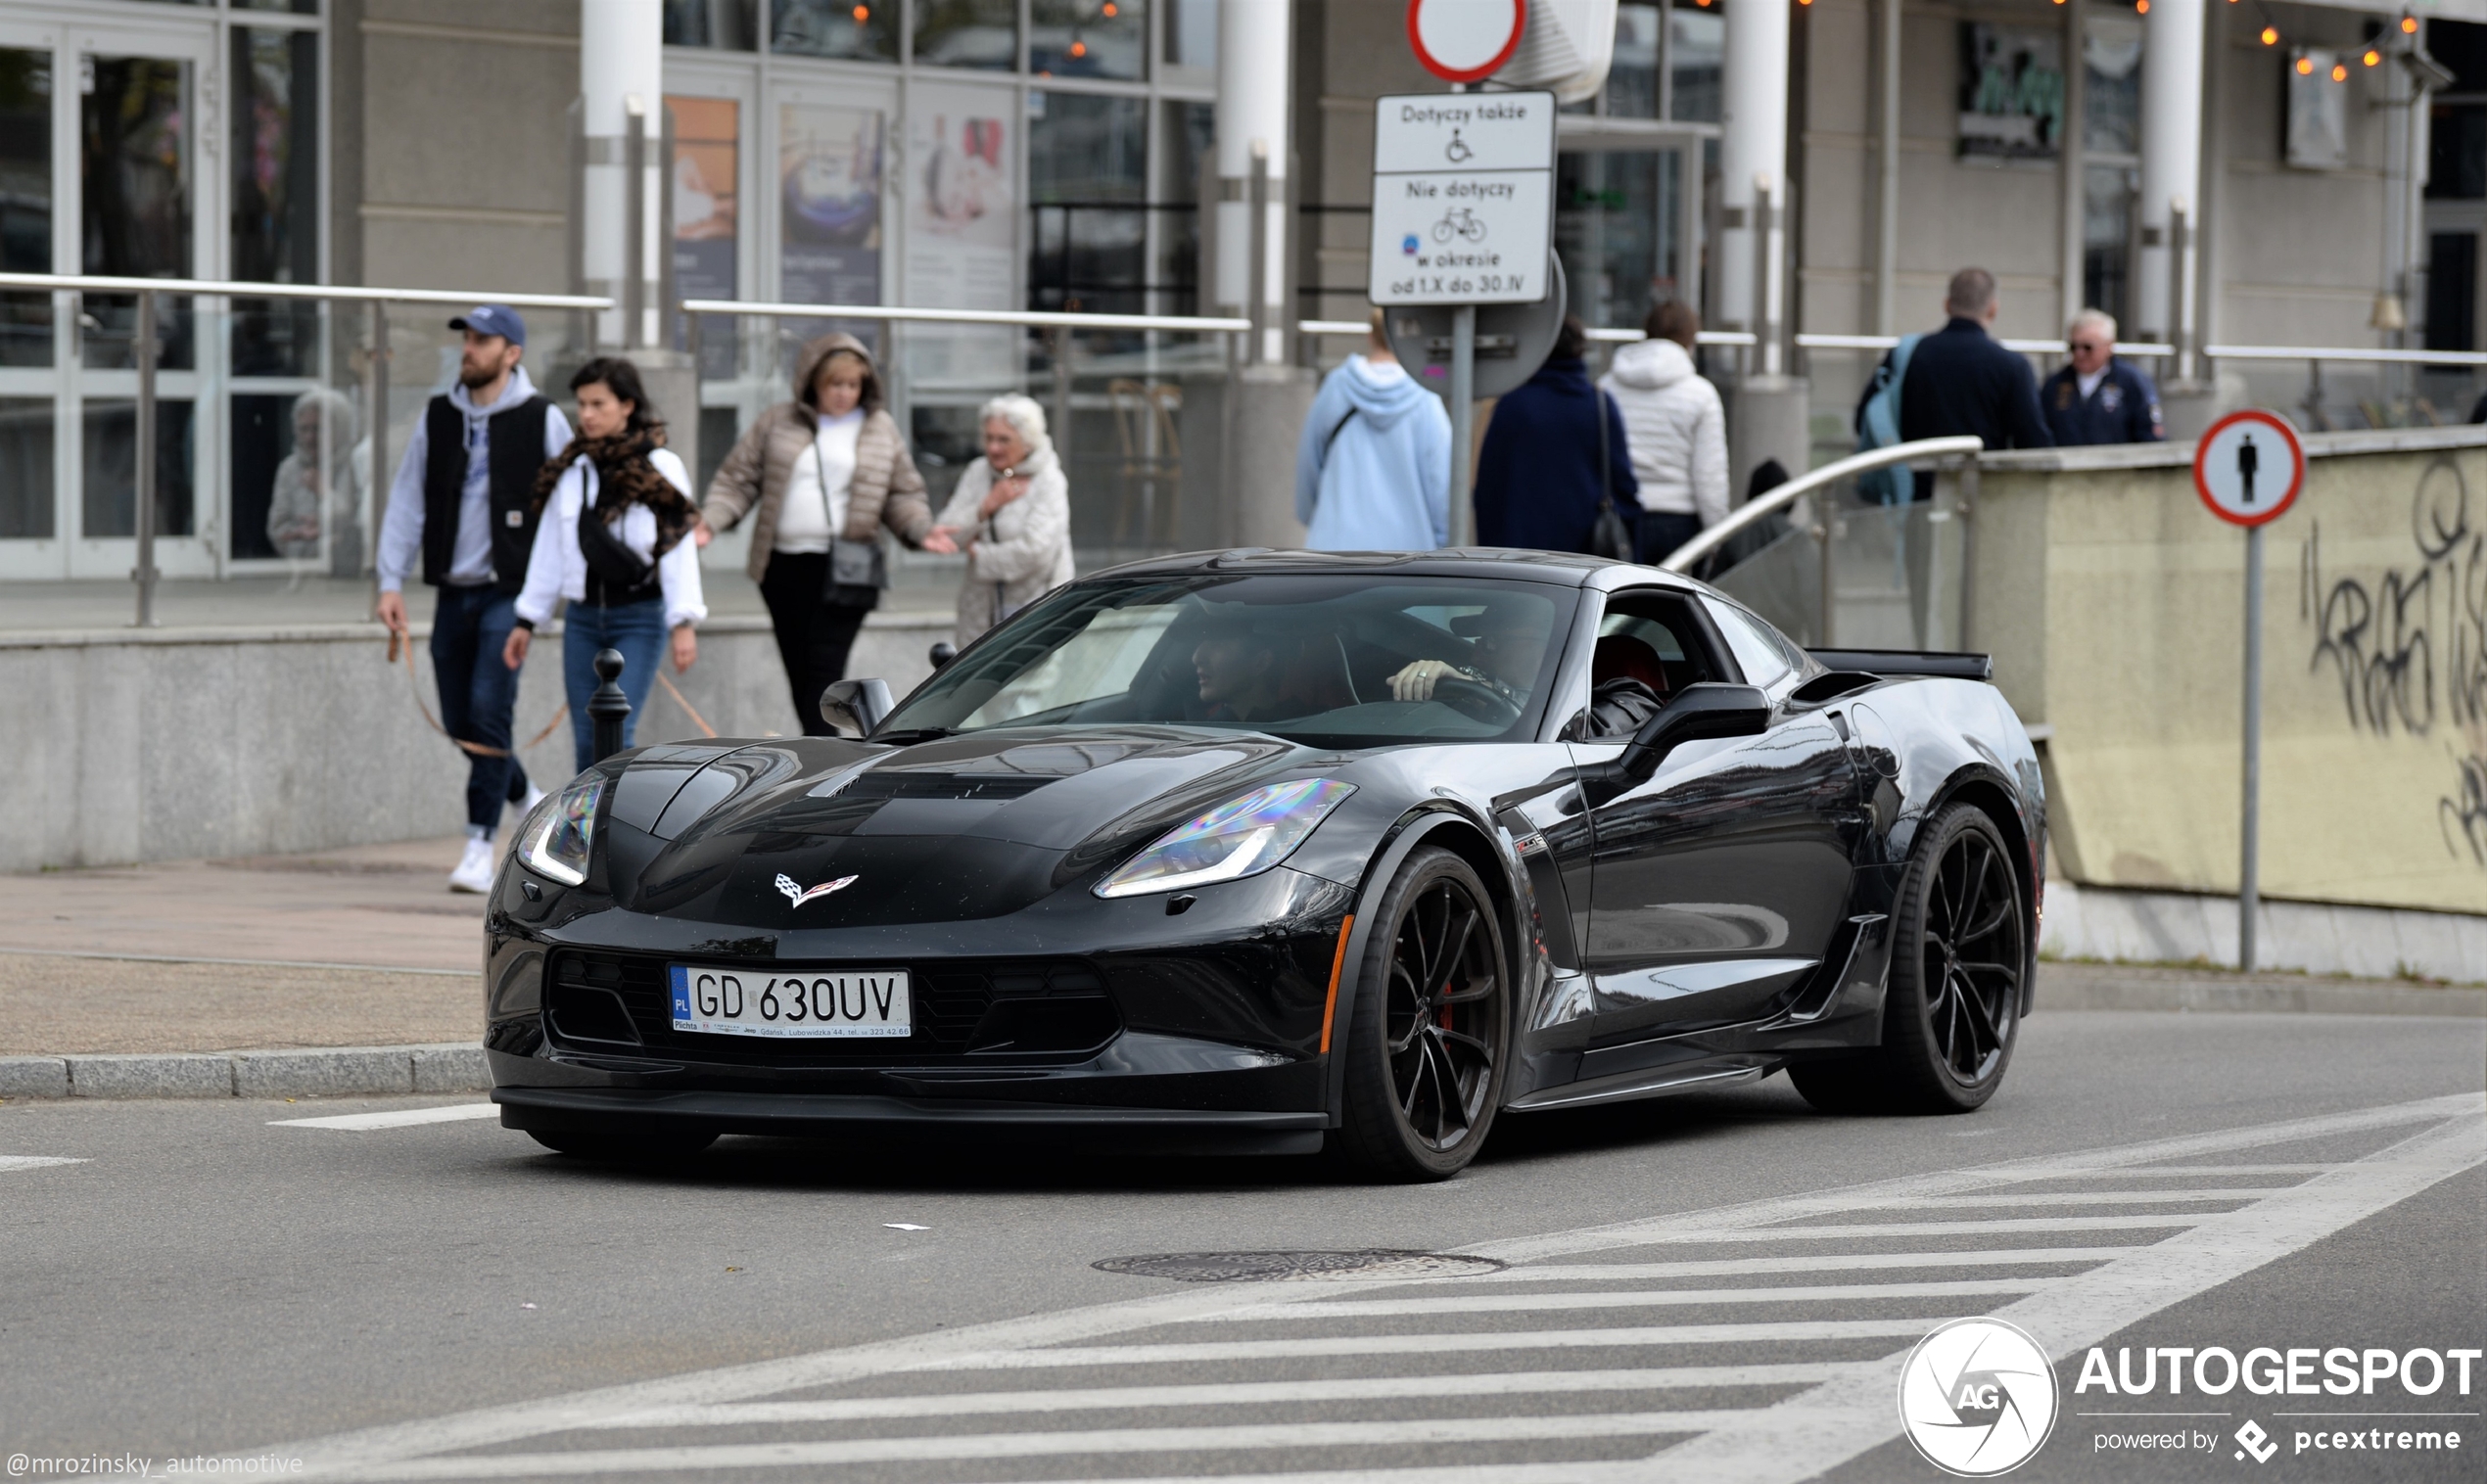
pixel 1678 429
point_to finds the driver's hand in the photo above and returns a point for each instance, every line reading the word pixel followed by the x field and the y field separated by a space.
pixel 1416 682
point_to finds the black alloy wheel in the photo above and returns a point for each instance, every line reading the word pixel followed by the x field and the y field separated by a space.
pixel 1427 1038
pixel 1952 1010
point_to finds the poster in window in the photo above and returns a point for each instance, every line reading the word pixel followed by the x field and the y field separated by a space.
pixel 2318 110
pixel 962 223
pixel 706 219
pixel 829 207
pixel 2011 91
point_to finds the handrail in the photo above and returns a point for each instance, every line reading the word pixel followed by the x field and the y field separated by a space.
pixel 1028 318
pixel 2337 352
pixel 1920 451
pixel 2138 349
pixel 1602 336
pixel 90 283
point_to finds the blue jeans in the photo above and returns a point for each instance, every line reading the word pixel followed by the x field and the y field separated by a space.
pixel 478 693
pixel 638 630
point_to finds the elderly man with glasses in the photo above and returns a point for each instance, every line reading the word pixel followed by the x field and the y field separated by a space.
pixel 2097 398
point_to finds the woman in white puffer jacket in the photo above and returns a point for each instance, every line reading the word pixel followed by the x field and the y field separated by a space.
pixel 1678 429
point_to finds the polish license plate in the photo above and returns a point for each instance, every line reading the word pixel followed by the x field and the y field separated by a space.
pixel 870 1002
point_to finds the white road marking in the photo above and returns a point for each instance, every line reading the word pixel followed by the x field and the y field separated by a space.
pixel 1434 1342
pixel 1843 1413
pixel 948 1404
pixel 1021 1445
pixel 1637 1298
pixel 2070 1198
pixel 33 1161
pixel 403 1118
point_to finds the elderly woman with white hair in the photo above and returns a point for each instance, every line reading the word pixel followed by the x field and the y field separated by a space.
pixel 1011 515
pixel 318 487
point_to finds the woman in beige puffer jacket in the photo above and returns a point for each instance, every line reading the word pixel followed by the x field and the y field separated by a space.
pixel 830 464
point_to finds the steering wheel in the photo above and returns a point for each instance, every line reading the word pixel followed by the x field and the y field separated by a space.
pixel 1477 702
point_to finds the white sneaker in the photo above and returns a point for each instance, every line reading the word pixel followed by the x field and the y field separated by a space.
pixel 535 796
pixel 475 872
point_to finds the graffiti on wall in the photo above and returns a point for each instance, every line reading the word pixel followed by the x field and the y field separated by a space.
pixel 2409 645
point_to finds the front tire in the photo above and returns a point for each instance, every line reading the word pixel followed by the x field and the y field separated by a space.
pixel 1430 1032
pixel 1953 1012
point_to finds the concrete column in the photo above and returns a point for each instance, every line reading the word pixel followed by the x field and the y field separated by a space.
pixel 622 89
pixel 1271 397
pixel 1253 47
pixel 1752 142
pixel 2171 148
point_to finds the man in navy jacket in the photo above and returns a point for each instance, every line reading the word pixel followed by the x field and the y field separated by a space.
pixel 1961 380
pixel 2098 399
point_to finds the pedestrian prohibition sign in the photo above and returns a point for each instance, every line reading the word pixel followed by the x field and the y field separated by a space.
pixel 2249 467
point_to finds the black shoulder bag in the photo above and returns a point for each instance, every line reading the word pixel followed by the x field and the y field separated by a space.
pixel 622 574
pixel 1610 535
pixel 857 569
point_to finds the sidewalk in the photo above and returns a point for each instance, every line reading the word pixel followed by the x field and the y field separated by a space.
pixel 366 947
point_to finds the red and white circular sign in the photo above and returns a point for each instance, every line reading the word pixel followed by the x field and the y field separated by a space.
pixel 2249 467
pixel 1465 40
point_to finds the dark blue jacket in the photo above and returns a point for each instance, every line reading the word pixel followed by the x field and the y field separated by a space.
pixel 2125 409
pixel 1961 381
pixel 1537 474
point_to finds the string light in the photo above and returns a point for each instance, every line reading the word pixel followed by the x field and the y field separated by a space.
pixel 1109 12
pixel 2270 35
pixel 863 12
pixel 2339 72
pixel 2371 57
pixel 2305 67
pixel 2142 7
pixel 1079 48
pixel 2409 25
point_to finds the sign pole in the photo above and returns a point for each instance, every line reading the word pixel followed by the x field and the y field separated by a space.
pixel 2248 882
pixel 1462 423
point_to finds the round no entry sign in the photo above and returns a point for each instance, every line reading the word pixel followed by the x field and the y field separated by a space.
pixel 1465 40
pixel 2249 467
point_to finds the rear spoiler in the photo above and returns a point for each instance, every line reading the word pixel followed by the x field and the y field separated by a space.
pixel 1950 665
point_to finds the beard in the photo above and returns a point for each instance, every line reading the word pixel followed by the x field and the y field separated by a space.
pixel 472 377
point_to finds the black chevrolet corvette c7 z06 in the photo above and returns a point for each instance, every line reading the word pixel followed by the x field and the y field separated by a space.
pixel 1262 851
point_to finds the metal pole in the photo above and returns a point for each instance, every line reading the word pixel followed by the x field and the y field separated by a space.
pixel 1062 398
pixel 1824 519
pixel 1462 422
pixel 1256 292
pixel 634 239
pixel 2249 883
pixel 608 708
pixel 145 572
pixel 2180 249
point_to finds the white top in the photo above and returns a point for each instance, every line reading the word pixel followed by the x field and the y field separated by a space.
pixel 555 568
pixel 806 521
pixel 2089 381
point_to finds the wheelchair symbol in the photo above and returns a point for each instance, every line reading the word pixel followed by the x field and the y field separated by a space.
pixel 1457 151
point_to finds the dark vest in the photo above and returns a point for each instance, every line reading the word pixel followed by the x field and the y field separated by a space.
pixel 517 451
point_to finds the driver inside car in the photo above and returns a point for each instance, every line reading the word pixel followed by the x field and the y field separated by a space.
pixel 1237 670
pixel 1509 644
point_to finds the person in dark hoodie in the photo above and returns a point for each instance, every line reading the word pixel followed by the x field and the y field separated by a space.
pixel 1373 468
pixel 1537 474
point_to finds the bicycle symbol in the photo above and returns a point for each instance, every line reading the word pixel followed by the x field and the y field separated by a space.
pixel 1457 151
pixel 1462 221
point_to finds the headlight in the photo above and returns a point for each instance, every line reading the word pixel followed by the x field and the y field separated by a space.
pixel 558 839
pixel 1247 834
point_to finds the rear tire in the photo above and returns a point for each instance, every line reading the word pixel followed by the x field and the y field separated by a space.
pixel 606 1148
pixel 1430 1027
pixel 1952 1011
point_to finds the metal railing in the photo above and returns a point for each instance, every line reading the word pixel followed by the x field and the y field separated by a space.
pixel 1597 337
pixel 146 351
pixel 1941 452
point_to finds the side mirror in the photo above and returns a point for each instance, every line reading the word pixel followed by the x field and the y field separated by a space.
pixel 858 706
pixel 1694 714
pixel 942 652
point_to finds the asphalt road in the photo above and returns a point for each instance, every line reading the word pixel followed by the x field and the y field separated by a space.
pixel 443 1300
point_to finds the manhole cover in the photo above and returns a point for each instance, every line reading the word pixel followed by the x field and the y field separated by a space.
pixel 1300 1266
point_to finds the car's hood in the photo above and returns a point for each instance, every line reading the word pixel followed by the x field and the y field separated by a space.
pixel 962 827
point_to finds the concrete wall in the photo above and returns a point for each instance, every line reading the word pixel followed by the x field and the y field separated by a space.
pixel 2113 603
pixel 125 747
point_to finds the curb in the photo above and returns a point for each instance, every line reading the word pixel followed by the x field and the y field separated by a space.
pixel 339 1072
pixel 2108 992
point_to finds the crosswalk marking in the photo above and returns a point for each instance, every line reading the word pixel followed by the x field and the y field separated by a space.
pixel 402 1117
pixel 1825 1382
pixel 35 1161
pixel 1237 1394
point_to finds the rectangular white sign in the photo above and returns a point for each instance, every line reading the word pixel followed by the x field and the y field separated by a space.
pixel 1463 197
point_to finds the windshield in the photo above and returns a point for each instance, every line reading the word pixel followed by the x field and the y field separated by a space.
pixel 1329 660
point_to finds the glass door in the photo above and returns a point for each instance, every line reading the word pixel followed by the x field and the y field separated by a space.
pixel 32 513
pixel 134 120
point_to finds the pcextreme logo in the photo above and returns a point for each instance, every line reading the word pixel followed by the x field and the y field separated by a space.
pixel 1977 1396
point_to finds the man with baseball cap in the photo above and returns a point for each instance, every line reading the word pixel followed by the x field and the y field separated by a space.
pixel 463 502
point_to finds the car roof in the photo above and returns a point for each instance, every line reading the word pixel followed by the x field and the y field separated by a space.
pixel 1559 568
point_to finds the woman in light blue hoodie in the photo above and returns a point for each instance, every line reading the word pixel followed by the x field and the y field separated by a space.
pixel 1373 469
